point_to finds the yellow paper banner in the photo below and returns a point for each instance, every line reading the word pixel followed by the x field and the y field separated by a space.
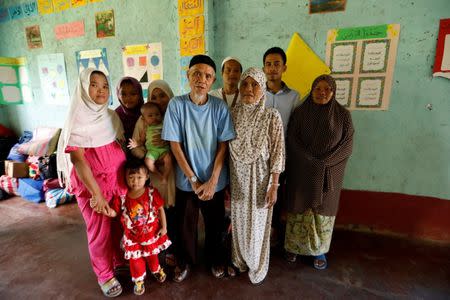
pixel 15 61
pixel 78 3
pixel 190 7
pixel 45 7
pixel 303 66
pixel 192 26
pixel 135 49
pixel 192 46
pixel 60 5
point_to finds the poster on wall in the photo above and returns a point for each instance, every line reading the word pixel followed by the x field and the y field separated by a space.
pixel 14 81
pixel 4 15
pixel 442 60
pixel 96 59
pixel 303 66
pixel 143 62
pixel 69 30
pixel 52 73
pixel 33 35
pixel 61 5
pixel 30 9
pixel 45 7
pixel 78 3
pixel 362 61
pixel 325 6
pixel 104 23
pixel 191 25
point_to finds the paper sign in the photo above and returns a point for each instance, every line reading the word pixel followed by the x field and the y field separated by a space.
pixel 33 34
pixel 14 81
pixel 45 6
pixel 61 5
pixel 15 12
pixel 30 9
pixel 192 26
pixel 52 73
pixel 190 7
pixel 303 66
pixel 442 59
pixel 370 91
pixel 78 3
pixel 343 91
pixel 343 58
pixel 104 23
pixel 374 56
pixel 69 30
pixel 192 45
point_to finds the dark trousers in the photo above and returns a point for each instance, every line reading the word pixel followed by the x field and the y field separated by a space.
pixel 278 209
pixel 213 212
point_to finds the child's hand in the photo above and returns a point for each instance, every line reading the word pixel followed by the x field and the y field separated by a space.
pixel 132 144
pixel 162 231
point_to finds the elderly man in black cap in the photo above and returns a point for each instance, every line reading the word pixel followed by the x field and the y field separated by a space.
pixel 198 127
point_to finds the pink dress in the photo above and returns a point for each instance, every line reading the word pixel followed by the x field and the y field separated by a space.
pixel 103 233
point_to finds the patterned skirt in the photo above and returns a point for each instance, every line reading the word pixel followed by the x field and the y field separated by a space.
pixel 308 233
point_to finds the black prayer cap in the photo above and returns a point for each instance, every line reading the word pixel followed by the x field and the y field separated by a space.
pixel 202 59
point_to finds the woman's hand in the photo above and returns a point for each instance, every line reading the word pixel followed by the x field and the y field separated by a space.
pixel 101 206
pixel 271 196
pixel 132 144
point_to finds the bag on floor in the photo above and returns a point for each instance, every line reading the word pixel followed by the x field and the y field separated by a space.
pixel 31 189
pixel 9 185
pixel 55 197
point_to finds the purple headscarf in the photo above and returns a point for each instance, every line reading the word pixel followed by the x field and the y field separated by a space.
pixel 129 116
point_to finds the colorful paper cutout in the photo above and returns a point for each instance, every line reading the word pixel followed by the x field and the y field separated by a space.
pixel 303 66
pixel 190 7
pixel 61 5
pixel 45 6
pixel 69 30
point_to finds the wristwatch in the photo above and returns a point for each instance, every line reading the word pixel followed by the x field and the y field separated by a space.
pixel 193 179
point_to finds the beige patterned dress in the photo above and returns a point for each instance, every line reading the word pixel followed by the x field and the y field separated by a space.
pixel 257 151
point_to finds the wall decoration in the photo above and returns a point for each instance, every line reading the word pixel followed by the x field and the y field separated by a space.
pixel 302 60
pixel 69 30
pixel 16 12
pixel 362 61
pixel 184 63
pixel 14 81
pixel 33 35
pixel 52 73
pixel 442 60
pixel 45 6
pixel 78 3
pixel 190 7
pixel 104 23
pixel 61 5
pixel 325 6
pixel 30 9
pixel 191 25
pixel 155 65
pixel 96 59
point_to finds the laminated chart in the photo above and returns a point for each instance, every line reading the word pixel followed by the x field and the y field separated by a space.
pixel 362 61
pixel 52 73
pixel 14 81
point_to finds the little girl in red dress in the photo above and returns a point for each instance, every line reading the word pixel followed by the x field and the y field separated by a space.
pixel 144 223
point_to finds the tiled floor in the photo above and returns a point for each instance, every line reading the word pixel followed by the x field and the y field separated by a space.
pixel 43 255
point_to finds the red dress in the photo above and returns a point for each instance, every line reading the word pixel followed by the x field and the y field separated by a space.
pixel 140 221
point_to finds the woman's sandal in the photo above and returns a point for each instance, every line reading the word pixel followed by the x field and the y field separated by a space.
pixel 111 288
pixel 320 262
pixel 232 271
pixel 160 276
pixel 218 271
pixel 139 288
pixel 181 274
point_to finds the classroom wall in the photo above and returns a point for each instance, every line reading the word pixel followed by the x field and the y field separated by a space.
pixel 402 150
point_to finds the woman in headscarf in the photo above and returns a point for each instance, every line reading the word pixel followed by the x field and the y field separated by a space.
pixel 90 163
pixel 129 93
pixel 256 161
pixel 319 143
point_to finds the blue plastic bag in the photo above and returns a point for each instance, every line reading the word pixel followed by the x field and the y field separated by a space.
pixel 31 189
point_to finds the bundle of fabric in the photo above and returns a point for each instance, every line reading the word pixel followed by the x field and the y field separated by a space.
pixel 9 184
pixel 31 189
pixel 55 197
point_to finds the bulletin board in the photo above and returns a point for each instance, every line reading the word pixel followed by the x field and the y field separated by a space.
pixel 362 61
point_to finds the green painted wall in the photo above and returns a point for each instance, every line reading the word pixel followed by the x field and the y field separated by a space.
pixel 405 149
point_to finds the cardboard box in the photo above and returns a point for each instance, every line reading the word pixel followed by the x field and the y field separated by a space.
pixel 16 169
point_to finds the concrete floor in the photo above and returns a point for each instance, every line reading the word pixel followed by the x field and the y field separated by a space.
pixel 44 256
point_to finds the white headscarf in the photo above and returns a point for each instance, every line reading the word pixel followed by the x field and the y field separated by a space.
pixel 160 84
pixel 88 125
pixel 250 122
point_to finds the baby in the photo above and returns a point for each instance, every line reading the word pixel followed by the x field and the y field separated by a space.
pixel 152 117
